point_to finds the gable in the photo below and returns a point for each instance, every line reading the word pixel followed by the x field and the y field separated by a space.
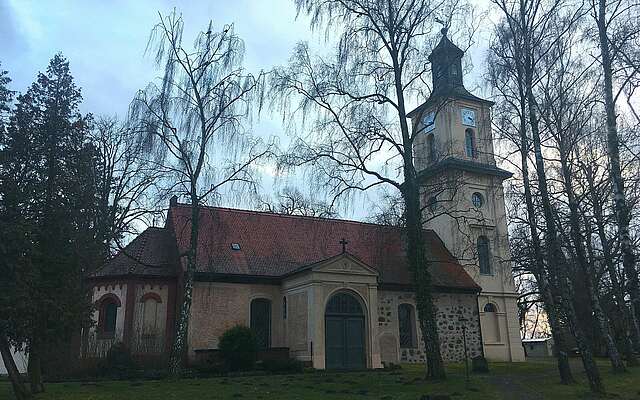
pixel 345 264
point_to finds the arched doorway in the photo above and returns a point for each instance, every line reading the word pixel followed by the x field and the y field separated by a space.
pixel 261 322
pixel 344 333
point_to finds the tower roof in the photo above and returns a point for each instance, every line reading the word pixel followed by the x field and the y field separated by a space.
pixel 445 47
pixel 446 70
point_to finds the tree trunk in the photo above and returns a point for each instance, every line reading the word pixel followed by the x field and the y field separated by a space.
pixel 418 263
pixel 179 343
pixel 551 305
pixel 19 389
pixel 422 276
pixel 554 251
pixel 34 370
pixel 555 255
pixel 615 171
pixel 629 331
pixel 587 271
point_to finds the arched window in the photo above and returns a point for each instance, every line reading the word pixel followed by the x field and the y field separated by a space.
pixel 108 314
pixel 261 322
pixel 491 328
pixel 407 326
pixel 477 200
pixel 470 143
pixel 431 148
pixel 284 307
pixel 150 313
pixel 490 307
pixel 484 255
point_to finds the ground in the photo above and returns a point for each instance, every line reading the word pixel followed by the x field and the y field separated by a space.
pixel 523 381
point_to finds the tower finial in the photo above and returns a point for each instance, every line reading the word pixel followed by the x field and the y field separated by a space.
pixel 445 27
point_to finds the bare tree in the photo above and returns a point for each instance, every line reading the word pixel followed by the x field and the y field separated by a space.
pixel 359 137
pixel 566 108
pixel 193 125
pixel 601 219
pixel 618 33
pixel 506 73
pixel 291 201
pixel 126 183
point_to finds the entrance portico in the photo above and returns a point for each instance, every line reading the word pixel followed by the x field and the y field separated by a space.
pixel 342 324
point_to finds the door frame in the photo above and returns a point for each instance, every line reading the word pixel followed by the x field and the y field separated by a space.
pixel 364 316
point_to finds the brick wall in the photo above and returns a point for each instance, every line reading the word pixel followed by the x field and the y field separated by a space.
pixel 217 307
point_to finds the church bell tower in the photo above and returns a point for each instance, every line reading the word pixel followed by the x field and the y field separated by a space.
pixel 462 194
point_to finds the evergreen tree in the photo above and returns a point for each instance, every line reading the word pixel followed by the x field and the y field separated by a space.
pixel 10 252
pixel 48 200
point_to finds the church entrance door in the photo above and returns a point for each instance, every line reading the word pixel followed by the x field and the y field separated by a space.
pixel 344 333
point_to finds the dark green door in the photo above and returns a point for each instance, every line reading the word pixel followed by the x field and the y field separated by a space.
pixel 344 333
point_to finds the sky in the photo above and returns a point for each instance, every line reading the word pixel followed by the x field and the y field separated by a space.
pixel 105 42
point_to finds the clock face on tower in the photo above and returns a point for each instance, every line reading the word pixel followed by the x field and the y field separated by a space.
pixel 468 117
pixel 429 122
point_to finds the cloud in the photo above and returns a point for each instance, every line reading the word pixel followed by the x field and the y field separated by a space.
pixel 11 36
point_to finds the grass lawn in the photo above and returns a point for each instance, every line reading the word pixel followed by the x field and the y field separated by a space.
pixel 531 380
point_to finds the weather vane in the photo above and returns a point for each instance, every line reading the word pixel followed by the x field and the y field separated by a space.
pixel 445 27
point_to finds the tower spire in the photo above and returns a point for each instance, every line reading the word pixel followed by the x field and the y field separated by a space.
pixel 446 65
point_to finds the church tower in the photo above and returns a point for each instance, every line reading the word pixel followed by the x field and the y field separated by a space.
pixel 462 194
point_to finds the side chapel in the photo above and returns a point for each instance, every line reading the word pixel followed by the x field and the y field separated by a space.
pixel 335 293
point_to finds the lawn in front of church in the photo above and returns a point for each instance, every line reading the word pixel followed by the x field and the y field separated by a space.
pixel 531 380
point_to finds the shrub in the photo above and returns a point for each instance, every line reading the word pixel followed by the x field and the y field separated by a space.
pixel 480 365
pixel 238 348
pixel 118 363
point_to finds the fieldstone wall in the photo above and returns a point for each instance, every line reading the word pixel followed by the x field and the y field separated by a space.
pixel 450 309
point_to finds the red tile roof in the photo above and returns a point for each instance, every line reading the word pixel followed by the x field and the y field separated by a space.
pixel 273 245
pixel 152 253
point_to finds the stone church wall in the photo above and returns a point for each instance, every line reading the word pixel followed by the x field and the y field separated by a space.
pixel 450 308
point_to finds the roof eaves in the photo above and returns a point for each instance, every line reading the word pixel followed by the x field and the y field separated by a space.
pixel 464 94
pixel 465 165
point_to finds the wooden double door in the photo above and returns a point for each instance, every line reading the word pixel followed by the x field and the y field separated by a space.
pixel 344 333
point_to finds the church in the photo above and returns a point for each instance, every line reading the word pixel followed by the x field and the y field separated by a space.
pixel 335 294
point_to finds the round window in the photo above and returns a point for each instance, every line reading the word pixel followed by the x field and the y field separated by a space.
pixel 477 200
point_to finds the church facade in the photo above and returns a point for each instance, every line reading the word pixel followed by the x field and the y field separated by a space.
pixel 335 293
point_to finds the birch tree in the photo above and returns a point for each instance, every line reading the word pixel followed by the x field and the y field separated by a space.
pixel 506 74
pixel 535 26
pixel 193 123
pixel 358 137
pixel 617 36
pixel 566 108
